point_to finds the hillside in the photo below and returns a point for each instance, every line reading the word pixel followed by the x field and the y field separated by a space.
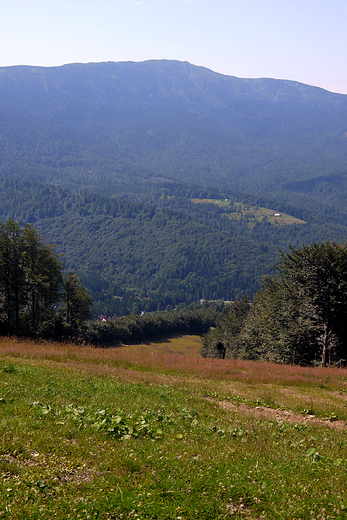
pixel 113 124
pixel 131 253
pixel 122 149
pixel 170 251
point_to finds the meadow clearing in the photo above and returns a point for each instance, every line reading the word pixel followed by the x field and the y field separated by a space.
pixel 253 214
pixel 154 431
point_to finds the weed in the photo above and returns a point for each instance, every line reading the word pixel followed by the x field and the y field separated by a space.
pixel 9 368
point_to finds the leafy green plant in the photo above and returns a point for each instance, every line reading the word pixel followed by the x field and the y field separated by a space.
pixel 119 424
pixel 313 454
pixel 9 368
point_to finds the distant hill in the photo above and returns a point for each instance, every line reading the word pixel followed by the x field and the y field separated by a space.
pixel 109 125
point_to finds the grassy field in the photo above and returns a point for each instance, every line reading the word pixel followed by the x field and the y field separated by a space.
pixel 153 431
pixel 253 214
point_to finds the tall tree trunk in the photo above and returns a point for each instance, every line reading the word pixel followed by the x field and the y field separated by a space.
pixel 326 340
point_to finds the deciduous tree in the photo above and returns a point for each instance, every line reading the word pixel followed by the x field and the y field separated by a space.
pixel 77 302
pixel 319 273
pixel 303 308
pixel 300 314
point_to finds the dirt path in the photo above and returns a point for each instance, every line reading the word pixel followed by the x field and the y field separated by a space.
pixel 270 414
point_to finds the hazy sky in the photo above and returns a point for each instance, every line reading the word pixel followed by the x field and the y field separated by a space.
pixel 302 40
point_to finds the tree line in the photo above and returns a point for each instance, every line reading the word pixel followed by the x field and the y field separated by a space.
pixel 299 316
pixel 132 329
pixel 36 299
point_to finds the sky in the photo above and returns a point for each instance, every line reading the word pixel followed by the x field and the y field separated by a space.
pixel 301 40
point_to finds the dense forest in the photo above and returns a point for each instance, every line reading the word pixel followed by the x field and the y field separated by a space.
pixel 38 300
pixel 135 257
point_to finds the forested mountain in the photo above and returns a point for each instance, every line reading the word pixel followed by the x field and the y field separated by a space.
pixel 104 159
pixel 111 124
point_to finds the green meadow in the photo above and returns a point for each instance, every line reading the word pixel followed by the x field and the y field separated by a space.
pixel 252 214
pixel 153 431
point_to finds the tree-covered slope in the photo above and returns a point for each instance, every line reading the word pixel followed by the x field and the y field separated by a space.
pixel 128 253
pixel 116 128
pixel 104 124
pixel 151 256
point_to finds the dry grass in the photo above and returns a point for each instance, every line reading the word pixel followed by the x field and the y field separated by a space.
pixel 178 356
pixel 309 390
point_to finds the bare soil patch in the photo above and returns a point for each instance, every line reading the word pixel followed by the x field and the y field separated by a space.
pixel 270 414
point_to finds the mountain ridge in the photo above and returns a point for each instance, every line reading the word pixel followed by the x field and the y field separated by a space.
pixel 196 73
pixel 167 119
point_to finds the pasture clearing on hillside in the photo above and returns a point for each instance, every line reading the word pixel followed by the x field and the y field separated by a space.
pixel 252 214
